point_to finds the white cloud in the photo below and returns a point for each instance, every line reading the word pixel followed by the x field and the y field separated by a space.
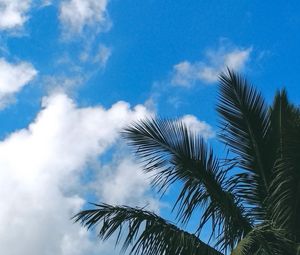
pixel 187 73
pixel 197 126
pixel 40 170
pixel 102 55
pixel 63 83
pixel 99 57
pixel 123 183
pixel 45 3
pixel 76 15
pixel 13 77
pixel 13 13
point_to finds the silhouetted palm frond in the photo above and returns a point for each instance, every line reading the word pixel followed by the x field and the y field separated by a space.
pixel 244 126
pixel 251 198
pixel 172 152
pixel 284 200
pixel 266 240
pixel 148 233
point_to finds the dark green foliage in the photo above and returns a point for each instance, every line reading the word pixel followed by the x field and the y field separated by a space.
pixel 265 239
pixel 173 153
pixel 154 235
pixel 284 200
pixel 251 200
pixel 244 126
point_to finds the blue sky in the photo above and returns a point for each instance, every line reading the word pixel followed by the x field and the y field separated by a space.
pixel 74 72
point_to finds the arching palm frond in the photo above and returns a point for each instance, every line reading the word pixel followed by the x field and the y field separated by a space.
pixel 172 152
pixel 284 200
pixel 252 200
pixel 244 124
pixel 148 233
pixel 266 240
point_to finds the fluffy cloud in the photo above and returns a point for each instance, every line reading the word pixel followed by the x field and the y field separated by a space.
pixel 133 185
pixel 123 183
pixel 40 171
pixel 13 13
pixel 188 73
pixel 13 77
pixel 197 126
pixel 75 15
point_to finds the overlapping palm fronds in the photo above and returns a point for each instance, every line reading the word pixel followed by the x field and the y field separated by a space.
pixel 252 201
pixel 153 234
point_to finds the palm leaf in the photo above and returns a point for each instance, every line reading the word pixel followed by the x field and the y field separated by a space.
pixel 245 124
pixel 284 200
pixel 266 240
pixel 173 153
pixel 148 233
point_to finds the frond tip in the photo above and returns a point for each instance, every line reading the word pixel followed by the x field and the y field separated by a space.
pixel 245 123
pixel 148 233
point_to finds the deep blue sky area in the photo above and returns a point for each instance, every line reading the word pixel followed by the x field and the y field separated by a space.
pixel 71 75
pixel 148 38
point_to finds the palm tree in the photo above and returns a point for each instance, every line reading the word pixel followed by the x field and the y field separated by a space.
pixel 251 197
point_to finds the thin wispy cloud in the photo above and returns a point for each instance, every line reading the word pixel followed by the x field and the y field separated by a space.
pixel 99 57
pixel 45 3
pixel 13 77
pixel 188 73
pixel 102 55
pixel 77 15
pixel 13 13
pixel 81 22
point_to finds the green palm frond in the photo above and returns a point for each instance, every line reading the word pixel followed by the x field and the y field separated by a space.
pixel 245 124
pixel 266 240
pixel 148 233
pixel 284 200
pixel 251 198
pixel 171 152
